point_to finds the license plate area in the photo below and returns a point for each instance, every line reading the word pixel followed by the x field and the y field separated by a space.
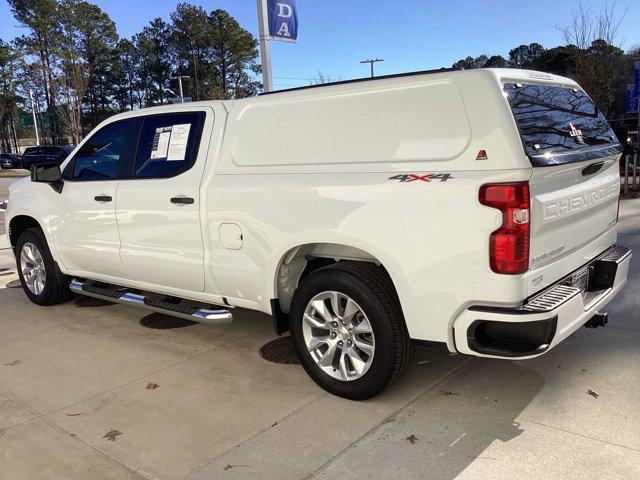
pixel 580 279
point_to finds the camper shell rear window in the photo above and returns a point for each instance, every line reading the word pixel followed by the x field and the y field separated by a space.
pixel 559 124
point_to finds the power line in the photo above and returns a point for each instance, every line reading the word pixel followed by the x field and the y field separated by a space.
pixel 293 78
pixel 288 84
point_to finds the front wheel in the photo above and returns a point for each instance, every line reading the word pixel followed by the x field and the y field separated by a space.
pixel 349 331
pixel 42 280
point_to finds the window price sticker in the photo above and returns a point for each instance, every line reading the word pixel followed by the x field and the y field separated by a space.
pixel 178 142
pixel 170 142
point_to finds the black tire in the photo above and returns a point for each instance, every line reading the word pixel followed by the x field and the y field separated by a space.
pixel 56 288
pixel 371 288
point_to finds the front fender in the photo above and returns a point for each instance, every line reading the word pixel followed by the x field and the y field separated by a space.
pixel 33 200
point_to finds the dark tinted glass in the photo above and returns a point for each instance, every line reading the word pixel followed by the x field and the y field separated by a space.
pixel 168 144
pixel 31 151
pixel 99 157
pixel 554 120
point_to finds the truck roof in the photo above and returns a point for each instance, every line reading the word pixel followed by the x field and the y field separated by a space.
pixel 511 73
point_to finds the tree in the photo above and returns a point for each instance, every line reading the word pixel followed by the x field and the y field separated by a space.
pixel 190 32
pixel 123 75
pixel 558 60
pixel 482 61
pixel 597 58
pixel 42 18
pixel 155 65
pixel 234 54
pixel 524 56
pixel 470 63
pixel 496 61
pixel 82 54
pixel 96 38
pixel 10 65
pixel 599 70
pixel 584 25
pixel 321 78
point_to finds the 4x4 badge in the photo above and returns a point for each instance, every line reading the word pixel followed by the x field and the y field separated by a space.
pixel 427 177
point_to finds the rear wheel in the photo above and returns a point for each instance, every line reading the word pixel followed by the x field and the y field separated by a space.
pixel 349 331
pixel 42 280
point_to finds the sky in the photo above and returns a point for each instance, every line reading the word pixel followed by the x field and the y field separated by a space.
pixel 334 35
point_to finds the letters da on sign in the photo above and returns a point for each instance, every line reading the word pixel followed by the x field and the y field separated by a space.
pixel 283 20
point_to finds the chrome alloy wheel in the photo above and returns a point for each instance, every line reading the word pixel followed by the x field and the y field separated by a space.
pixel 338 336
pixel 33 270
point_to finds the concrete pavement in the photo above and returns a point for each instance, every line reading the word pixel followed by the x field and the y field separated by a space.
pixel 72 373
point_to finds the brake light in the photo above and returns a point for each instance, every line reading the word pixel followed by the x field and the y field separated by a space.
pixel 509 244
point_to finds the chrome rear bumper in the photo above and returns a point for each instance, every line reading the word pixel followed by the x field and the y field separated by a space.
pixel 546 318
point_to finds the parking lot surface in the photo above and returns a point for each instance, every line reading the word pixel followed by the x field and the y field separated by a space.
pixel 87 391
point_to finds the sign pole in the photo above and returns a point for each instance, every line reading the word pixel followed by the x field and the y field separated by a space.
pixel 265 50
pixel 636 67
pixel 35 121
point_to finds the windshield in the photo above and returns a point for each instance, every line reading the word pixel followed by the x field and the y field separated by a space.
pixel 557 124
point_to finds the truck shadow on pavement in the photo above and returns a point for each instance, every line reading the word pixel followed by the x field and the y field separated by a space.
pixel 447 428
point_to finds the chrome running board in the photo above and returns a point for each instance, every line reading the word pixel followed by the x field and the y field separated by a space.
pixel 212 315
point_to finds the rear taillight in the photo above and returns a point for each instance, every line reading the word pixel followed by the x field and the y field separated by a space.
pixel 509 245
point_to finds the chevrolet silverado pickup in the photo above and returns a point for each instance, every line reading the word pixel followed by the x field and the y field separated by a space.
pixel 473 208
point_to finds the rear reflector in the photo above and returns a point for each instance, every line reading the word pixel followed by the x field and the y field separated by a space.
pixel 509 245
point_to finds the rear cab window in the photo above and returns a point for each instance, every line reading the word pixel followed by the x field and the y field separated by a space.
pixel 559 124
pixel 168 144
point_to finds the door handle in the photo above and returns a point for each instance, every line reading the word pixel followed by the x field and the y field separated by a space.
pixel 102 198
pixel 182 200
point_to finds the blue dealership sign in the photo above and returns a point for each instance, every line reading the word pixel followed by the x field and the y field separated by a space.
pixel 283 20
pixel 633 89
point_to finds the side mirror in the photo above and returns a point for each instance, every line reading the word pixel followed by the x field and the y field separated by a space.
pixel 50 174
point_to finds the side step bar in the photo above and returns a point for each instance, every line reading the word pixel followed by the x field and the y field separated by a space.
pixel 213 315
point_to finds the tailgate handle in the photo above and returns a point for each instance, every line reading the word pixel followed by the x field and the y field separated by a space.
pixel 591 169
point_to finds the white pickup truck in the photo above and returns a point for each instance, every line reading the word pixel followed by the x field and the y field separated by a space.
pixel 473 208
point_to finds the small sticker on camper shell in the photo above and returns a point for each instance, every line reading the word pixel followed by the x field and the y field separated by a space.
pixel 427 177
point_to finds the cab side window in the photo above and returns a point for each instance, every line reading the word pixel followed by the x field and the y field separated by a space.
pixel 101 155
pixel 168 144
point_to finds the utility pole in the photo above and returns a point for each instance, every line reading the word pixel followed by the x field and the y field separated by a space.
pixel 179 78
pixel 371 62
pixel 35 120
pixel 265 49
